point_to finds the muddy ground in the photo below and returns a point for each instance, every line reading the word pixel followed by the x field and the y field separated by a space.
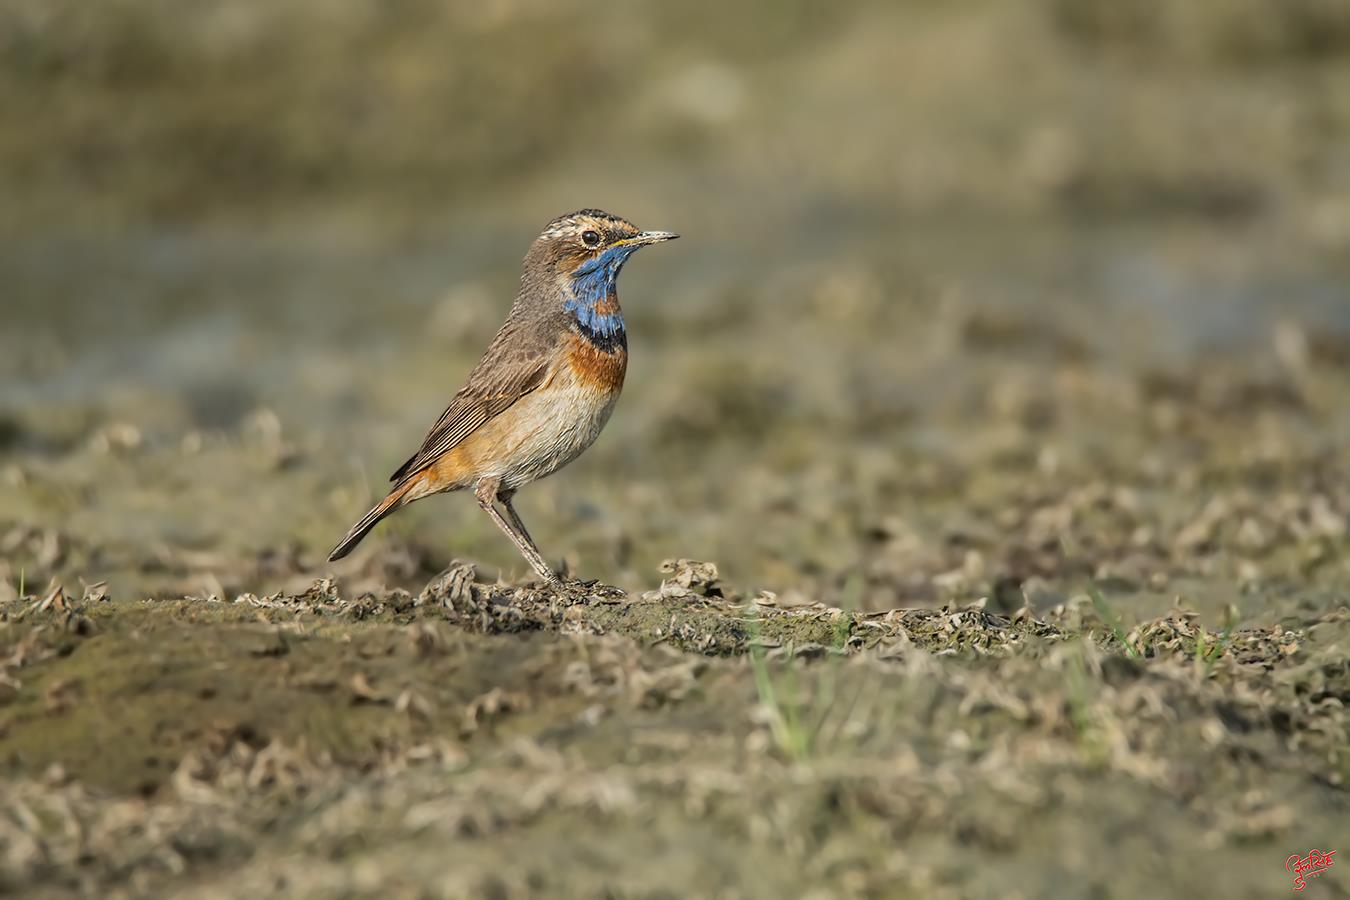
pixel 999 390
pixel 483 740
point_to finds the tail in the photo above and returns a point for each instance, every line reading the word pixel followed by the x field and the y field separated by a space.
pixel 358 531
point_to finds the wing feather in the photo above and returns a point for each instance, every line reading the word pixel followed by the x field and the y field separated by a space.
pixel 489 393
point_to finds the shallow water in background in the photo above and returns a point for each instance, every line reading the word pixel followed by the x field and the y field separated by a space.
pixel 232 321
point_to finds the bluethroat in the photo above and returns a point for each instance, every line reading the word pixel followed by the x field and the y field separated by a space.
pixel 543 390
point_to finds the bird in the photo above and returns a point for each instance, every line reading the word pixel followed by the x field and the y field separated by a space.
pixel 543 389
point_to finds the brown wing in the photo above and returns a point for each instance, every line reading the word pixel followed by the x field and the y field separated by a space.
pixel 491 390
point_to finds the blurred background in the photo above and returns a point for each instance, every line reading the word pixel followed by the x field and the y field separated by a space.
pixel 974 298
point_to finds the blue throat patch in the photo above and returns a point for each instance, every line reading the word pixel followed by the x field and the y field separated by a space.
pixel 593 283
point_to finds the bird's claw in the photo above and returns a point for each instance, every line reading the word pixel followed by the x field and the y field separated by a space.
pixel 580 590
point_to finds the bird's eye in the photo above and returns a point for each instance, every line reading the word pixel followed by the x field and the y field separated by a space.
pixel 590 238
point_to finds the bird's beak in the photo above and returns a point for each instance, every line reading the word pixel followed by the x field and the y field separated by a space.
pixel 644 238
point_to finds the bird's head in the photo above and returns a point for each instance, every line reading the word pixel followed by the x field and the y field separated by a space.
pixel 581 254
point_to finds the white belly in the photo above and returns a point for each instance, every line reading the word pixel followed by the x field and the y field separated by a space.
pixel 550 428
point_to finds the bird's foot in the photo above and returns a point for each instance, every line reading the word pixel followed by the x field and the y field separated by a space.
pixel 599 589
pixel 576 590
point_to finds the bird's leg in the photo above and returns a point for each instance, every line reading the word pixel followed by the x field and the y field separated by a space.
pixel 487 490
pixel 593 586
pixel 505 497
